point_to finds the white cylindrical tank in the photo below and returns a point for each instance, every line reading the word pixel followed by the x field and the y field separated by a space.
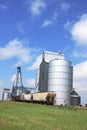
pixel 60 80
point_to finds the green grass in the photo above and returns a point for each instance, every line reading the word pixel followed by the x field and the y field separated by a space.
pixel 28 116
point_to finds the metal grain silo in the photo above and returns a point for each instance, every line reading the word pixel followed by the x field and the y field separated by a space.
pixel 60 80
pixel 75 98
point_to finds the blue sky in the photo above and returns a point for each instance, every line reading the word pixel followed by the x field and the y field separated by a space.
pixel 27 27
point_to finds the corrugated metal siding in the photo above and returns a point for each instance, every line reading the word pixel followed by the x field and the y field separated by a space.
pixel 43 79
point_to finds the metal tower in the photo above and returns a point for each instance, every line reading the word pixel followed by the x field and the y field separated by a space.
pixel 19 77
pixel 18 84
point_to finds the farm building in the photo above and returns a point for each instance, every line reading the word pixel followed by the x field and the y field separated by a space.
pixel 56 75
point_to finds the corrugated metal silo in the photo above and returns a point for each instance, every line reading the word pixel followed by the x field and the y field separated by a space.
pixel 75 98
pixel 60 80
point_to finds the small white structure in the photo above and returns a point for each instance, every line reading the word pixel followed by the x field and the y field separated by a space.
pixel 56 75
pixel 48 56
pixel 6 94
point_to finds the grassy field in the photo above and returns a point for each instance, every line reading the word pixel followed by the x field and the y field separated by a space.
pixel 28 116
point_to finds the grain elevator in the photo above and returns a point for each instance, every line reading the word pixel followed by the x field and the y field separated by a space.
pixel 56 75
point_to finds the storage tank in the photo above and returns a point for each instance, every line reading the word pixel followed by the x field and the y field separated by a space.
pixel 75 98
pixel 60 80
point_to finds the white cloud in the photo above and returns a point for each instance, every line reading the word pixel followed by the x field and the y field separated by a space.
pixel 15 48
pixel 55 16
pixel 20 27
pixel 31 83
pixel 51 21
pixel 82 53
pixel 1 82
pixel 80 80
pixel 79 31
pixel 37 7
pixel 47 23
pixel 68 26
pixel 13 78
pixel 36 64
pixel 65 6
pixel 80 76
pixel 3 7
